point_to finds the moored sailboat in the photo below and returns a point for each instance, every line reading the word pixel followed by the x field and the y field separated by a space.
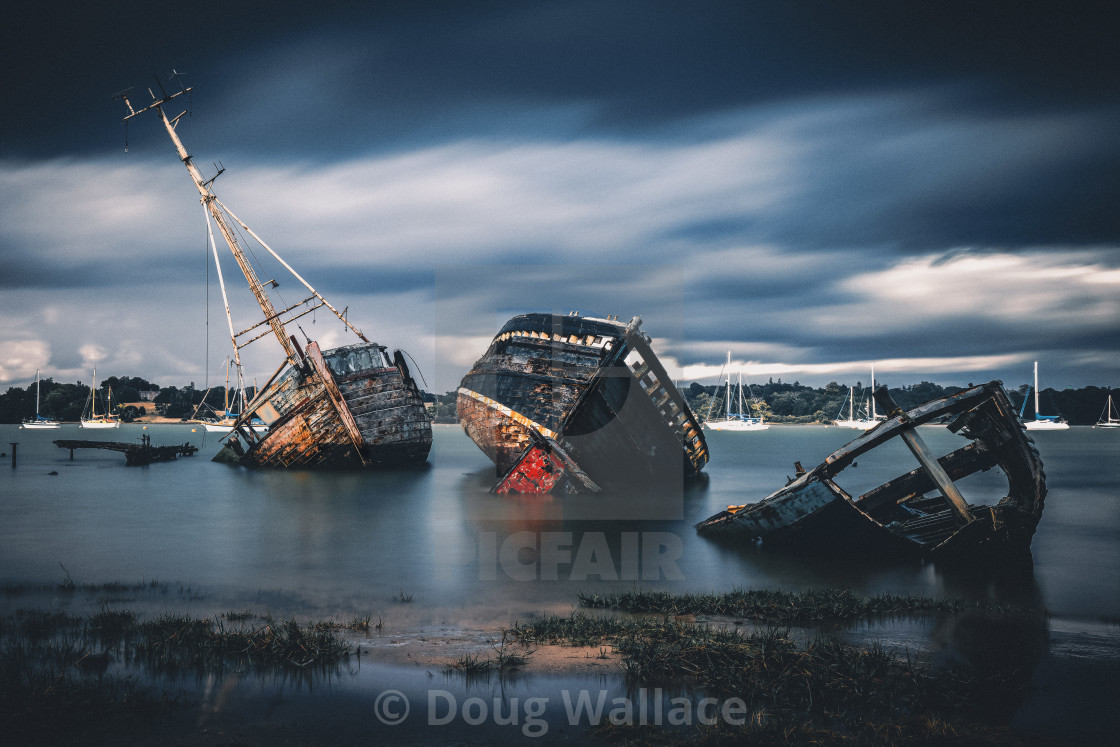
pixel 850 421
pixel 740 421
pixel 867 419
pixel 1042 422
pixel 1109 417
pixel 40 422
pixel 99 420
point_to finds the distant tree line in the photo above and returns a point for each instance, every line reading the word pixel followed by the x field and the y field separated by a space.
pixel 794 403
pixel 441 407
pixel 68 402
pixel 779 402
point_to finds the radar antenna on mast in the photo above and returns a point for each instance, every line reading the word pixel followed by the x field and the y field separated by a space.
pixel 124 95
pixel 178 78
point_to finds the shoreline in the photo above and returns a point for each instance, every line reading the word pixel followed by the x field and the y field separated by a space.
pixel 456 659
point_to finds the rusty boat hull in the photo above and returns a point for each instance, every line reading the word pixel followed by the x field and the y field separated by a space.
pixel 920 512
pixel 351 407
pixel 570 404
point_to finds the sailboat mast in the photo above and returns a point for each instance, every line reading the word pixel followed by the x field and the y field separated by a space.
pixel 740 393
pixel 873 392
pixel 1036 390
pixel 729 385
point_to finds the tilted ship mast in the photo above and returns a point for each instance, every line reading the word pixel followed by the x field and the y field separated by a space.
pixel 352 406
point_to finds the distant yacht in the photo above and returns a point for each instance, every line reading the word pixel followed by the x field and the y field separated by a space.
pixel 1041 422
pixel 868 417
pixel 1109 418
pixel 741 421
pixel 41 421
pixel 231 411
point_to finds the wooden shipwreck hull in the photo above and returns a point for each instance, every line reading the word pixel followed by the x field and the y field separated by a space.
pixel 567 404
pixel 348 407
pixel 921 511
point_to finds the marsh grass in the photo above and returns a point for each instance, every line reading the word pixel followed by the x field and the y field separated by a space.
pixel 805 690
pixel 173 642
pixel 784 607
pixel 60 675
pixel 117 590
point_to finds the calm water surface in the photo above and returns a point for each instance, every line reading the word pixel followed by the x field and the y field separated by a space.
pixel 343 544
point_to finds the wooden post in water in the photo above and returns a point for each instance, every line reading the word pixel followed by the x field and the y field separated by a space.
pixel 14 445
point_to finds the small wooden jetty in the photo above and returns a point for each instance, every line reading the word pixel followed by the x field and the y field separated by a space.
pixel 134 454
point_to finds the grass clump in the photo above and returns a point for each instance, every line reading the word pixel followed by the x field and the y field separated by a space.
pixel 473 664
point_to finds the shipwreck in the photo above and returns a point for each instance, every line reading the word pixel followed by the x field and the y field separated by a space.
pixel 921 512
pixel 571 404
pixel 352 406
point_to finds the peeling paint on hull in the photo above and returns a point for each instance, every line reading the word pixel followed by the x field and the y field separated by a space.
pixel 919 512
pixel 569 404
pixel 338 411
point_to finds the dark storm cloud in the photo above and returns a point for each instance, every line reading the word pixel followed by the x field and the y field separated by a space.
pixel 407 69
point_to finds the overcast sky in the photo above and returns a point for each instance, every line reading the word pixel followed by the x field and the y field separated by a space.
pixel 932 189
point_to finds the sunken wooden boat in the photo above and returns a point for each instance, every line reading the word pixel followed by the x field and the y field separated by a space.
pixel 348 407
pixel 353 406
pixel 572 404
pixel 920 512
